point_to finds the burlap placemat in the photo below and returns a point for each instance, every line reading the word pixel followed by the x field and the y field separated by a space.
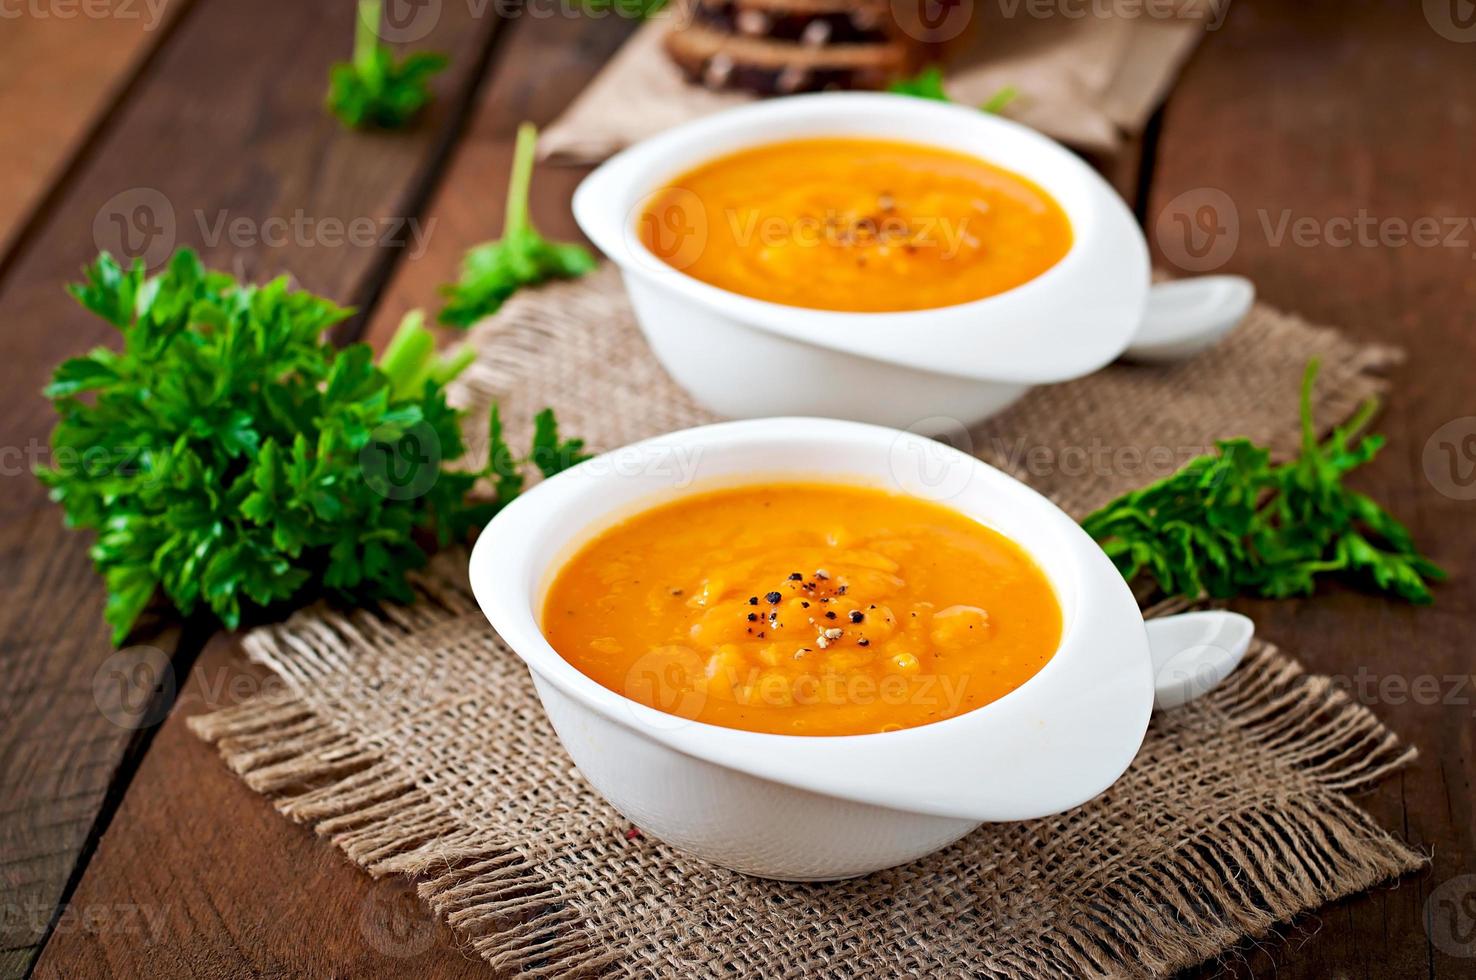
pixel 411 738
pixel 1087 73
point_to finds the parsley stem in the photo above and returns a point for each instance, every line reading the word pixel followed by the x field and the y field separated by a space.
pixel 407 357
pixel 997 102
pixel 447 368
pixel 366 36
pixel 1309 429
pixel 515 219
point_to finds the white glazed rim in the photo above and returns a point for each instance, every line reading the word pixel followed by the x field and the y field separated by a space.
pixel 1060 739
pixel 1073 319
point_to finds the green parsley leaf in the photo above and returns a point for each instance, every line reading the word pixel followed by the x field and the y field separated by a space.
pixel 551 454
pixel 633 9
pixel 502 463
pixel 1234 523
pixel 928 84
pixel 375 89
pixel 493 271
pixel 231 459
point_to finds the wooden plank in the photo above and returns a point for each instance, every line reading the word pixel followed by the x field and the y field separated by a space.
pixel 222 144
pixel 243 891
pixel 65 66
pixel 239 891
pixel 1328 111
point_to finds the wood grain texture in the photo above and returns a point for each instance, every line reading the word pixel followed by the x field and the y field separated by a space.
pixel 198 876
pixel 242 891
pixel 1320 107
pixel 65 66
pixel 1330 110
pixel 222 144
pixel 542 66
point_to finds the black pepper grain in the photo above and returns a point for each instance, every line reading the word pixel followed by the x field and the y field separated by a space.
pixel 857 615
pixel 773 598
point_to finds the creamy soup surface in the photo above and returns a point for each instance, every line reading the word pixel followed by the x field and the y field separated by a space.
pixel 856 225
pixel 804 609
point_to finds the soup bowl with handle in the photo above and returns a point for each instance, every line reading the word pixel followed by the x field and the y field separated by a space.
pixel 745 358
pixel 824 807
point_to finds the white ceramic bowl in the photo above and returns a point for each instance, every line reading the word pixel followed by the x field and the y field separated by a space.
pixel 800 807
pixel 926 369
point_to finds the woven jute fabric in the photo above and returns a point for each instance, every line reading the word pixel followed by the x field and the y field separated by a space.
pixel 1089 81
pixel 412 738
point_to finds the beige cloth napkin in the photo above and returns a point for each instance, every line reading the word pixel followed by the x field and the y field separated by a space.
pixel 1089 73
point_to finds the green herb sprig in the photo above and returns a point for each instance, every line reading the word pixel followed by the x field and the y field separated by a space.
pixel 632 9
pixel 928 84
pixel 230 458
pixel 1233 523
pixel 493 271
pixel 375 89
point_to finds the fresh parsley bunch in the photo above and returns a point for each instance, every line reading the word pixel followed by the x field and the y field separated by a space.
pixel 1234 523
pixel 493 271
pixel 374 89
pixel 228 457
pixel 928 84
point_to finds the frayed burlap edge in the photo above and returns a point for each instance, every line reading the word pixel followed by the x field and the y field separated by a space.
pixel 1205 895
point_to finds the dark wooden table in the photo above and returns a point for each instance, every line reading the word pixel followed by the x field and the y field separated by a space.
pixel 127 849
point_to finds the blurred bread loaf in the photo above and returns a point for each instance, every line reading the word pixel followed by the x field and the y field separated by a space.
pixel 780 47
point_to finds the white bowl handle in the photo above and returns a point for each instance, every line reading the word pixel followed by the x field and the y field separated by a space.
pixel 1185 316
pixel 1194 652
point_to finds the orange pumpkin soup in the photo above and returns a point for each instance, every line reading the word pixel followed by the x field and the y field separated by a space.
pixel 804 609
pixel 858 225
